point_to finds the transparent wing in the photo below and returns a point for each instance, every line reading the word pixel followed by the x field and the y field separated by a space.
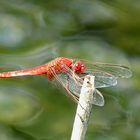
pixel 98 98
pixel 74 87
pixel 102 79
pixel 73 84
pixel 69 82
pixel 105 74
pixel 112 69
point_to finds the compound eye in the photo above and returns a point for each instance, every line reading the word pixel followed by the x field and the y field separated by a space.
pixel 77 66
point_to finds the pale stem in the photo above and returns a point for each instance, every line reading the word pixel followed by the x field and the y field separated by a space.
pixel 84 109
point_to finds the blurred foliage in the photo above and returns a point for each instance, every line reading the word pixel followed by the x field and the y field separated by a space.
pixel 33 32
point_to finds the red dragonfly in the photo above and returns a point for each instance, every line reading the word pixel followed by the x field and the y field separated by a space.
pixel 70 74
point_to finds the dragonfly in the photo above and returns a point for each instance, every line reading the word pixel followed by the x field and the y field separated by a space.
pixel 70 74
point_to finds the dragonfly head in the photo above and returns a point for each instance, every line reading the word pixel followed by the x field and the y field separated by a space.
pixel 79 67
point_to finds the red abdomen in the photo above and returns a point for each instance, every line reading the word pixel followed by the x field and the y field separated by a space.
pixel 53 67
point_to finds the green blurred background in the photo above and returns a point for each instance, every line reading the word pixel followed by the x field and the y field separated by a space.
pixel 35 31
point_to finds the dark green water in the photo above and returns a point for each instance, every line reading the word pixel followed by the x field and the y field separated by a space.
pixel 34 32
